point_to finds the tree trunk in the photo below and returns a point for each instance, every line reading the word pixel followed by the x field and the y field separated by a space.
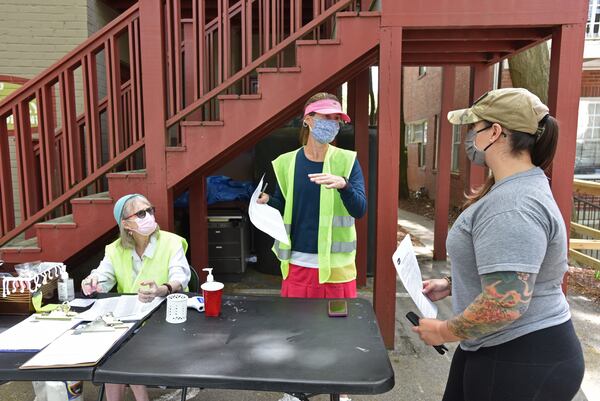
pixel 531 70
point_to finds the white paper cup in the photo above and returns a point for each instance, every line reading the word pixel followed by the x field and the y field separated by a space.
pixel 176 308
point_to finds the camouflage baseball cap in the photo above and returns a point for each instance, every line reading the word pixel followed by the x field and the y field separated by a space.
pixel 516 109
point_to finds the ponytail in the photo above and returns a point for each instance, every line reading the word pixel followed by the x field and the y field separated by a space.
pixel 544 149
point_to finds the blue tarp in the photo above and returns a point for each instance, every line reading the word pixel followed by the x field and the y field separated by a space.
pixel 220 188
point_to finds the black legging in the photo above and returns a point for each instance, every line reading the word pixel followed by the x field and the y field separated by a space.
pixel 546 365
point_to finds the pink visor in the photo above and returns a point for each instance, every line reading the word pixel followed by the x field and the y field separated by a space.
pixel 326 106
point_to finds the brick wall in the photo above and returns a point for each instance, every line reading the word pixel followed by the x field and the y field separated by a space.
pixel 590 83
pixel 37 33
pixel 422 101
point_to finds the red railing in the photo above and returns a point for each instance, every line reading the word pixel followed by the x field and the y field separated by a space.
pixel 79 137
pixel 221 56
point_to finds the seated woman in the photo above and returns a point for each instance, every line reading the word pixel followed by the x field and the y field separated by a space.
pixel 143 260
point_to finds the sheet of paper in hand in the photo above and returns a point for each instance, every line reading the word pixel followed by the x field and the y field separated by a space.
pixel 266 218
pixel 408 270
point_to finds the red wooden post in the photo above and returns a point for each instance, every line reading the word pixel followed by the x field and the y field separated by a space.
pixel 25 159
pixel 388 162
pixel 361 145
pixel 198 41
pixel 442 183
pixel 563 101
pixel 198 224
pixel 7 215
pixel 153 69
pixel 482 83
pixel 115 113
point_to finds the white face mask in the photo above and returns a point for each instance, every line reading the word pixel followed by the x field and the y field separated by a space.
pixel 145 226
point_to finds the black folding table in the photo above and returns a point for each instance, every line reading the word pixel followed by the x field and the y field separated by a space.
pixel 259 343
pixel 11 361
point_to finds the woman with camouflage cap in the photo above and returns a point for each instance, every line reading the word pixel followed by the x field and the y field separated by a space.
pixel 508 252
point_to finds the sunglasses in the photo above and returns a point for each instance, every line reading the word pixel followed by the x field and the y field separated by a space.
pixel 142 213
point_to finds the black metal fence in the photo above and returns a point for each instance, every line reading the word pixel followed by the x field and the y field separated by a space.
pixel 586 211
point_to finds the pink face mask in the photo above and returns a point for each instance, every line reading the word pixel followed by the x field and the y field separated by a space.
pixel 145 226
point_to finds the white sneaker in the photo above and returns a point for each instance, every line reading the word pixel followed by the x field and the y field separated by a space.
pixel 345 398
pixel 288 397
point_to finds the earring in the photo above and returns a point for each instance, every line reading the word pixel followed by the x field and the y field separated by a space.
pixel 304 124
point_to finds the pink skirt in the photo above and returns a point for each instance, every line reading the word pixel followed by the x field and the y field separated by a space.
pixel 303 282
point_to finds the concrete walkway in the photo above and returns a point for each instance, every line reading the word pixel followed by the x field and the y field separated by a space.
pixel 420 371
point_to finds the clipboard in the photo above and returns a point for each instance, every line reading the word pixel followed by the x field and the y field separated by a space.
pixel 78 347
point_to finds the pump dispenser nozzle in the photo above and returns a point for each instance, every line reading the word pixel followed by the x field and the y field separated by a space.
pixel 210 277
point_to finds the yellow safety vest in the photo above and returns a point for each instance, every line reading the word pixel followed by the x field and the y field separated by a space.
pixel 155 268
pixel 337 234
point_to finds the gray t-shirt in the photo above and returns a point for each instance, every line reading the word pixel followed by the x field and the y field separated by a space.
pixel 517 226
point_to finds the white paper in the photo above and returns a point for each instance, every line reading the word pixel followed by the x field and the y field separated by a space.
pixel 32 334
pixel 124 307
pixel 76 349
pixel 406 264
pixel 81 302
pixel 266 218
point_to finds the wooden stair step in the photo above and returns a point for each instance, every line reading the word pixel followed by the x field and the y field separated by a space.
pixel 20 242
pixel 268 70
pixel 202 123
pixel 59 222
pixel 176 149
pixel 128 174
pixel 354 14
pixel 100 197
pixel 255 96
pixel 320 42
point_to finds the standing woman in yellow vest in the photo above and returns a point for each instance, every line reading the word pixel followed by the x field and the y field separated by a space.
pixel 143 260
pixel 320 191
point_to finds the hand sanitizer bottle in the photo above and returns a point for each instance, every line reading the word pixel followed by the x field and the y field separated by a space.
pixel 66 288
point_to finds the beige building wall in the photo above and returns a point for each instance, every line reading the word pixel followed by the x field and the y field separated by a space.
pixel 34 34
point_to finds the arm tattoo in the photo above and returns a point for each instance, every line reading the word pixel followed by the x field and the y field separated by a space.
pixel 504 299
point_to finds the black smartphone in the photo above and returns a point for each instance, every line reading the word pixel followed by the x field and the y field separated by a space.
pixel 337 308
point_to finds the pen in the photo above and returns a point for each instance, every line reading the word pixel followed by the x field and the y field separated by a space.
pixel 264 188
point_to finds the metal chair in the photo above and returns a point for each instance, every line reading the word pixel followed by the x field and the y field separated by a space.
pixel 194 284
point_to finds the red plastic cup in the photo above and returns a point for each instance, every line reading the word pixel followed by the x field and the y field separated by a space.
pixel 213 292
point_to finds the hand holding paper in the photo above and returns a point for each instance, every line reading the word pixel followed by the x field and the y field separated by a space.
pixel 408 270
pixel 266 218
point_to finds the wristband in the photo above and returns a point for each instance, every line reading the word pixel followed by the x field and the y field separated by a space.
pixel 169 288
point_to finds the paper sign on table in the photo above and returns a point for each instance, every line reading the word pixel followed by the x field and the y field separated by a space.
pixel 124 307
pixel 266 218
pixel 31 335
pixel 409 272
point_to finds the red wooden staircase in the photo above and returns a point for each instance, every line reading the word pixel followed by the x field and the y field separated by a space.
pixel 66 205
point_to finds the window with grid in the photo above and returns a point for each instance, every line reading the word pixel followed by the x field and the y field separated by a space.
pixel 456 141
pixel 587 158
pixel 417 133
pixel 592 30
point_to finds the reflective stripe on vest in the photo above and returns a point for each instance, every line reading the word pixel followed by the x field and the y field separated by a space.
pixel 343 247
pixel 337 234
pixel 342 221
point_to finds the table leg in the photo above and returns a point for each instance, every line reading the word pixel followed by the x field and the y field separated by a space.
pixel 101 392
pixel 183 393
pixel 334 397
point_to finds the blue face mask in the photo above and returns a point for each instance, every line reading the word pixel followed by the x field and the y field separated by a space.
pixel 325 131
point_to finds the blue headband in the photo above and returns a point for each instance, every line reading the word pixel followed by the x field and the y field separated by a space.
pixel 120 204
